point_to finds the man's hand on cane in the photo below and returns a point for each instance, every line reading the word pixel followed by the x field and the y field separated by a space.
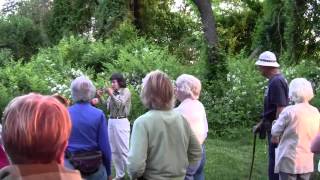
pixel 257 127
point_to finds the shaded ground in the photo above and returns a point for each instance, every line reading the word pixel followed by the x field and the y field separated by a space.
pixel 231 159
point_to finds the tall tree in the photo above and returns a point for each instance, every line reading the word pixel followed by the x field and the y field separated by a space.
pixel 20 35
pixel 269 30
pixel 208 21
pixel 108 15
pixel 9 7
pixel 135 6
pixel 301 29
pixel 216 65
pixel 71 16
pixel 39 11
pixel 289 28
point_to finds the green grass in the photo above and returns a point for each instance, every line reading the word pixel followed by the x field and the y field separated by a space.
pixel 231 159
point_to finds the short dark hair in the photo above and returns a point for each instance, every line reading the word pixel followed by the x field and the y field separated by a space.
pixel 120 79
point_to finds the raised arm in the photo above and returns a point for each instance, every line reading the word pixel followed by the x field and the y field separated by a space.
pixel 122 99
pixel 102 98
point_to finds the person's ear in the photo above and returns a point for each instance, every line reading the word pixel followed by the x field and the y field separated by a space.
pixel 60 155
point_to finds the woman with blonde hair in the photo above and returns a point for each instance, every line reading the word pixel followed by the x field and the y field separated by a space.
pixel 35 135
pixel 162 143
pixel 296 127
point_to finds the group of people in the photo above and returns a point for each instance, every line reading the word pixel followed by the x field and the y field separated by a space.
pixel 44 137
pixel 289 122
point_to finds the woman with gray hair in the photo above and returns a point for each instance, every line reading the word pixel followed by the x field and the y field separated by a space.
pixel 88 147
pixel 296 127
pixel 162 142
pixel 187 92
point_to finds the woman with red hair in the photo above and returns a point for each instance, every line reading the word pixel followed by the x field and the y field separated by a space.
pixel 35 133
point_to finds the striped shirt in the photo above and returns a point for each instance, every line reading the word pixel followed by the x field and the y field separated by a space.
pixel 119 104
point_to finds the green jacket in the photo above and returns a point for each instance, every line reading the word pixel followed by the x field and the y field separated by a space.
pixel 162 146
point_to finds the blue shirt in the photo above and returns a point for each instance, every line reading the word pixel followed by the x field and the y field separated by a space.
pixel 89 132
pixel 276 95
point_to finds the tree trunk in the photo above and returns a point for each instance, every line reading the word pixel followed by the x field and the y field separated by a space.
pixel 135 9
pixel 208 21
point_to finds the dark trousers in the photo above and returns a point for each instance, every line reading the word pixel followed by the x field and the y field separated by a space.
pixel 271 150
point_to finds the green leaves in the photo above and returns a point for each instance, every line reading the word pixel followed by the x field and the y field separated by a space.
pixel 20 35
pixel 236 100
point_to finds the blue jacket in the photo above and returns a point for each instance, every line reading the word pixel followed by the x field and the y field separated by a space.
pixel 89 132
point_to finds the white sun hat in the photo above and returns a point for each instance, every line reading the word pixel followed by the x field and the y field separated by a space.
pixel 267 58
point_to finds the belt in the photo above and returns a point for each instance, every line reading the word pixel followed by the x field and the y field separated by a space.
pixel 118 117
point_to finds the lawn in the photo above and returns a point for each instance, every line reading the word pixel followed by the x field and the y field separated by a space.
pixel 230 159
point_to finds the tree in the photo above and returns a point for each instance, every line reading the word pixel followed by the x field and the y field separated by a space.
pixel 71 17
pixel 302 29
pixel 268 34
pixel 108 15
pixel 216 65
pixel 208 21
pixel 9 7
pixel 236 21
pixel 20 35
pixel 39 11
pixel 289 28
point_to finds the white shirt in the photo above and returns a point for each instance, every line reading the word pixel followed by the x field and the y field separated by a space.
pixel 297 125
pixel 193 111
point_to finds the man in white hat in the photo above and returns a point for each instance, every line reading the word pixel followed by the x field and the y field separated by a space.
pixel 275 99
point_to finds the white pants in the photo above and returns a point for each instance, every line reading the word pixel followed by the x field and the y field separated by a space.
pixel 119 135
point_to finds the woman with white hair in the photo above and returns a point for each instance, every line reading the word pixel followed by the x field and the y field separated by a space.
pixel 187 91
pixel 296 127
pixel 88 147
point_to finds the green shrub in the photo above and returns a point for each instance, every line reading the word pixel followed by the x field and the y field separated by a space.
pixel 52 69
pixel 17 78
pixel 308 69
pixel 240 104
pixel 5 56
pixel 139 57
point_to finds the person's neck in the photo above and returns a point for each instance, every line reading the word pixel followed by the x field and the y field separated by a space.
pixel 184 98
pixel 303 102
pixel 273 72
